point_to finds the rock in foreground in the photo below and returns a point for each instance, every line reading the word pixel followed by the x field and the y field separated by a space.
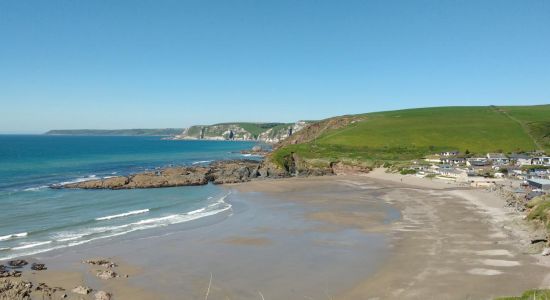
pixel 82 290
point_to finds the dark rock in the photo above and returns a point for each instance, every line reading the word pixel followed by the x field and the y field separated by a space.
pixel 101 262
pixel 38 267
pixel 18 263
pixel 16 273
pixel 6 273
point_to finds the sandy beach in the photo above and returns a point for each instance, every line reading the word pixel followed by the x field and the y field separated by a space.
pixel 375 236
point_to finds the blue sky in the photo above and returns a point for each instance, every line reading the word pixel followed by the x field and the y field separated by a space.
pixel 152 64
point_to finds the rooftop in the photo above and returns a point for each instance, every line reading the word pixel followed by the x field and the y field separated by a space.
pixel 540 181
pixel 496 155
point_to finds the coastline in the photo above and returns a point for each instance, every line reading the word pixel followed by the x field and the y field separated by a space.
pixel 376 235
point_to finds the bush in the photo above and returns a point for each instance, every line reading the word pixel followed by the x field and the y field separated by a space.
pixel 407 171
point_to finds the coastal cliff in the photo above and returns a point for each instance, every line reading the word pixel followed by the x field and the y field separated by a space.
pixel 270 133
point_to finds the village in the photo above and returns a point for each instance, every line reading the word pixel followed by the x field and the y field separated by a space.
pixel 524 175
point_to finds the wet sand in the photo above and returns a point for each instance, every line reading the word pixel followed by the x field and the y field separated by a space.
pixel 379 236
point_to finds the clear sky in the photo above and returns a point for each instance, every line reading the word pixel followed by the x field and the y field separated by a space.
pixel 151 64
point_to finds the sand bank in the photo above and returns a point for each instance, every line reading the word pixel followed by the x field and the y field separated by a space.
pixel 380 236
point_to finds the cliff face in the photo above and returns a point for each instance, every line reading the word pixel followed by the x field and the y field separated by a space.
pixel 270 133
pixel 311 131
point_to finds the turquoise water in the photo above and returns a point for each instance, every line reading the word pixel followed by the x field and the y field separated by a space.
pixel 35 218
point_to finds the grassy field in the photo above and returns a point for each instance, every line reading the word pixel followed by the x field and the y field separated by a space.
pixel 535 120
pixel 530 295
pixel 408 134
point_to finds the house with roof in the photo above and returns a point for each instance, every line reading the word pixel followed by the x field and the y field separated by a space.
pixel 541 161
pixel 449 153
pixel 457 174
pixel 520 159
pixel 541 184
pixel 435 158
pixel 498 158
pixel 477 162
pixel 452 160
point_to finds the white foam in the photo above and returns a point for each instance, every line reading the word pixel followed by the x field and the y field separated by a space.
pixel 5 249
pixel 201 162
pixel 196 211
pixel 13 236
pixel 130 213
pixel 35 189
pixel 113 231
pixel 31 245
pixel 77 180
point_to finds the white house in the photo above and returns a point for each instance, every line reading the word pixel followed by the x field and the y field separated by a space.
pixel 498 158
pixel 449 153
pixel 520 159
pixel 457 174
pixel 453 160
pixel 541 161
pixel 433 158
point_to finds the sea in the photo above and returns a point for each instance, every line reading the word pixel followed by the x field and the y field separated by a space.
pixel 35 218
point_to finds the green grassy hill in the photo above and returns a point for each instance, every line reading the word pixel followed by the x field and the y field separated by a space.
pixel 412 133
pixel 535 120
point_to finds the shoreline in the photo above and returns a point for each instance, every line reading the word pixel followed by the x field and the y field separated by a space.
pixel 430 235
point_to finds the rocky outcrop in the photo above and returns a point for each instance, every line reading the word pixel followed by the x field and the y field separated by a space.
pixel 102 295
pixel 221 172
pixel 82 290
pixel 101 262
pixel 18 263
pixel 169 177
pixel 13 289
pixel 106 274
pixel 38 267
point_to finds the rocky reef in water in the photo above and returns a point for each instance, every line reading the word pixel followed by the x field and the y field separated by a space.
pixel 221 172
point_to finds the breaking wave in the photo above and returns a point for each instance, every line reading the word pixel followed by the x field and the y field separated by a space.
pixel 130 213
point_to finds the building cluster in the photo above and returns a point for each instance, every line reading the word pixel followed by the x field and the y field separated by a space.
pixel 530 170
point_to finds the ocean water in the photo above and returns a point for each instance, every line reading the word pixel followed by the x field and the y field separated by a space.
pixel 35 218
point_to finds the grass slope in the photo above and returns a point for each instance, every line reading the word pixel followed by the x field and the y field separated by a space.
pixel 412 133
pixel 535 120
